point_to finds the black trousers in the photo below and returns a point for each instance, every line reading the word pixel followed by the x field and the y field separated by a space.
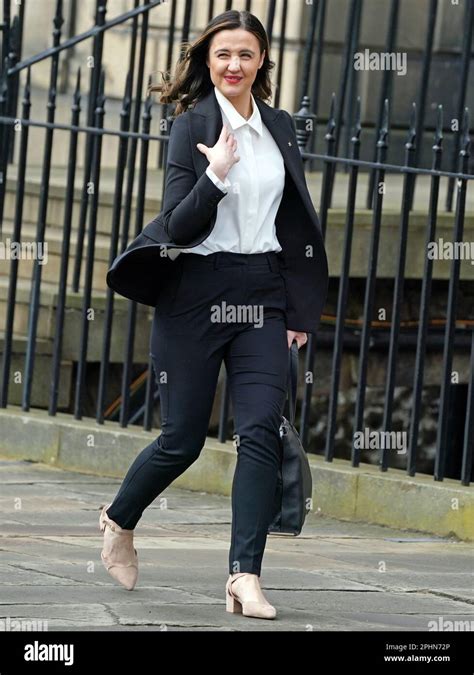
pixel 231 307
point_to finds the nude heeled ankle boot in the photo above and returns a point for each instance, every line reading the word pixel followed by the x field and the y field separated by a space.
pixel 238 605
pixel 122 560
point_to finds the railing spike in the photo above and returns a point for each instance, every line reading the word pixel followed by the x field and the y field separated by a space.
pixel 14 42
pixel 127 97
pixel 465 139
pixel 78 79
pixel 412 128
pixel 100 94
pixel 385 116
pixel 27 89
pixel 384 126
pixel 413 119
pixel 77 91
pixel 439 126
pixel 331 120
pixel 58 16
pixel 357 124
pixel 333 105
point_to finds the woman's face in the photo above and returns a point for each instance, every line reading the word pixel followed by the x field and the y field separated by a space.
pixel 233 59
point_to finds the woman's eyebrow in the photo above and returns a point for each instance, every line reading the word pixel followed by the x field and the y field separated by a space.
pixel 224 49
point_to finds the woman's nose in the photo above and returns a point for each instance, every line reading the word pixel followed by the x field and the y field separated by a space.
pixel 234 64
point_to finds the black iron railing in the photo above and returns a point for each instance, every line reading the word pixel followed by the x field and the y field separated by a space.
pixel 134 139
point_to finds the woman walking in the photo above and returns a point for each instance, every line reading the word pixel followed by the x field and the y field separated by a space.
pixel 237 284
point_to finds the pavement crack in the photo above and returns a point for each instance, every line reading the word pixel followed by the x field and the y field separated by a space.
pixel 111 612
pixel 442 594
pixel 47 574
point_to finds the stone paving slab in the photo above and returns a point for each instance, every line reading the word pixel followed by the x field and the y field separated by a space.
pixel 335 576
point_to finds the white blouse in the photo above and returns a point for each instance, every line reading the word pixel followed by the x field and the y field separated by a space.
pixel 245 220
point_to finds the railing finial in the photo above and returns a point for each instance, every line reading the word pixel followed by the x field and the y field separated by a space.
pixel 465 139
pixel 357 124
pixel 439 127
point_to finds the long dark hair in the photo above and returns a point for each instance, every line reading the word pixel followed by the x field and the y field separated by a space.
pixel 192 80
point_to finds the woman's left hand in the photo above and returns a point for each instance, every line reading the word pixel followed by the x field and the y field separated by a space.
pixel 301 338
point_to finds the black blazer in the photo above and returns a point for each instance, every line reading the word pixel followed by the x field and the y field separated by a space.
pixel 189 212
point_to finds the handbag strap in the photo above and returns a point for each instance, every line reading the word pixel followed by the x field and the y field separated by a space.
pixel 290 404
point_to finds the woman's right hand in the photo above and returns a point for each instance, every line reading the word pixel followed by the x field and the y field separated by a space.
pixel 222 155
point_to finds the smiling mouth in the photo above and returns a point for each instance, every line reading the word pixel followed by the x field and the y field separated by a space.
pixel 232 79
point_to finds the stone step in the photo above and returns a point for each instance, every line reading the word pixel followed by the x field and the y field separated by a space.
pixel 40 394
pixel 337 217
pixel 73 321
pixel 57 194
pixel 50 270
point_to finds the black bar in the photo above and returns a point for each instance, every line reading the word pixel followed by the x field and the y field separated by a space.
pixel 88 169
pixel 132 306
pixel 370 286
pixel 41 223
pixel 425 300
pixel 116 214
pixel 87 291
pixel 386 89
pixel 468 25
pixel 442 436
pixel 423 86
pixel 65 251
pixel 16 236
pixel 468 451
pixel 398 287
pixel 343 293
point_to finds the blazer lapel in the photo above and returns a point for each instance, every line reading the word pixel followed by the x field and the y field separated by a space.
pixel 206 126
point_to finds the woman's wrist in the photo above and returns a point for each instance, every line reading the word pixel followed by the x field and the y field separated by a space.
pixel 222 175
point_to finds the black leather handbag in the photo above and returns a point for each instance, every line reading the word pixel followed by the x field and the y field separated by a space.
pixel 294 485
